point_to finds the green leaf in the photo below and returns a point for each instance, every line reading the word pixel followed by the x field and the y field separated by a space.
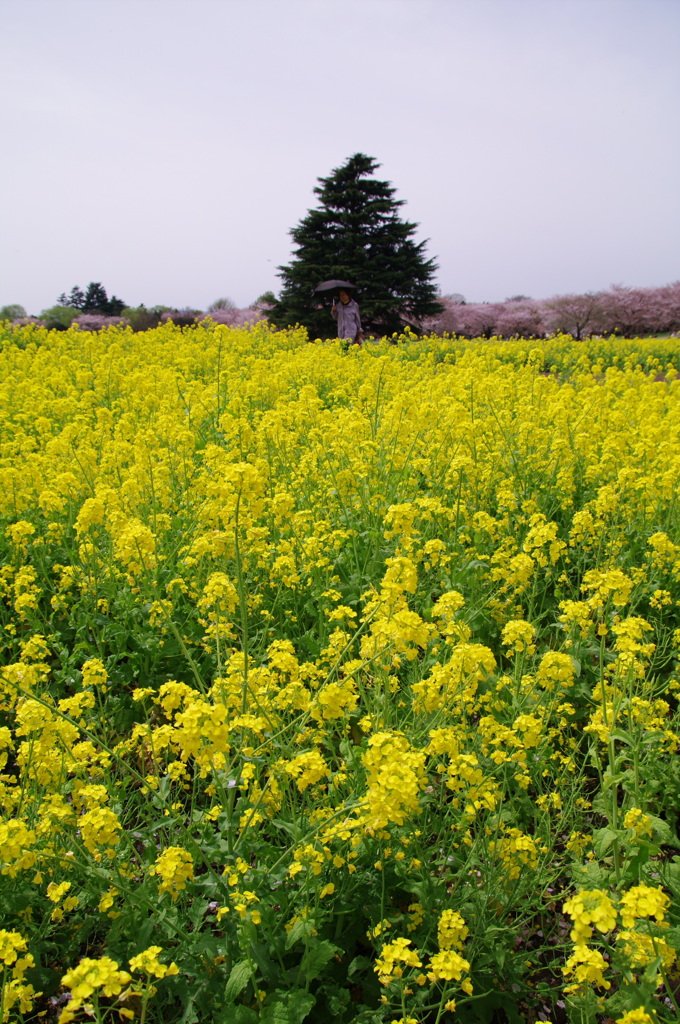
pixel 143 935
pixel 662 831
pixel 261 955
pixel 592 875
pixel 639 859
pixel 631 996
pixel 190 1016
pixel 290 827
pixel 316 958
pixel 671 873
pixel 672 936
pixel 359 965
pixel 241 1015
pixel 197 912
pixel 45 979
pixel 622 737
pixel 240 975
pixel 603 840
pixel 485 1008
pixel 300 930
pixel 287 1008
pixel 582 1008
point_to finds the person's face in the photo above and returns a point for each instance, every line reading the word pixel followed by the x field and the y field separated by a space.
pixel 344 297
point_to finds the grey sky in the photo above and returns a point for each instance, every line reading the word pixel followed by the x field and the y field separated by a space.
pixel 166 147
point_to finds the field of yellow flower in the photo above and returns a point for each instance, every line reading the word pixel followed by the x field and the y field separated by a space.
pixel 338 687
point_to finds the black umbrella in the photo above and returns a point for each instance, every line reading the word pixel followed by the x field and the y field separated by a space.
pixel 332 286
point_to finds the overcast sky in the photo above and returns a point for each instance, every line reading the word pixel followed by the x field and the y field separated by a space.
pixel 166 147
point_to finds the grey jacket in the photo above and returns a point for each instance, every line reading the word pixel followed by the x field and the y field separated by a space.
pixel 349 319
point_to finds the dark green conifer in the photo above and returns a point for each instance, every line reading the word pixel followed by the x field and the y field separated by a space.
pixel 94 300
pixel 356 234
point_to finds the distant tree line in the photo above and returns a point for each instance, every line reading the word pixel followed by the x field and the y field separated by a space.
pixel 628 312
pixel 92 310
pixel 355 234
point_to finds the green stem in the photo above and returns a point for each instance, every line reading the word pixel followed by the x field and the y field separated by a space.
pixel 185 651
pixel 243 605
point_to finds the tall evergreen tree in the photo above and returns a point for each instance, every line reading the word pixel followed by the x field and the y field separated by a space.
pixel 356 234
pixel 76 298
pixel 94 300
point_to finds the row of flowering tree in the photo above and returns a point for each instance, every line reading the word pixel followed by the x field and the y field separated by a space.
pixel 629 312
pixel 93 311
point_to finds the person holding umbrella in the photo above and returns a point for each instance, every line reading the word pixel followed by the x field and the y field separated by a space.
pixel 349 318
pixel 346 312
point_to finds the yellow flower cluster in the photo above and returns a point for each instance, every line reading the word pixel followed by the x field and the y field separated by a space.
pixel 395 775
pixel 515 851
pixel 16 992
pixel 590 907
pixel 587 967
pixel 90 978
pixel 643 901
pixel 175 867
pixel 395 956
pixel 148 963
pixel 595 908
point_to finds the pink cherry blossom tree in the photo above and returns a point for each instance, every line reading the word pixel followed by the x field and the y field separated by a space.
pixel 520 318
pixel 478 319
pixel 578 315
